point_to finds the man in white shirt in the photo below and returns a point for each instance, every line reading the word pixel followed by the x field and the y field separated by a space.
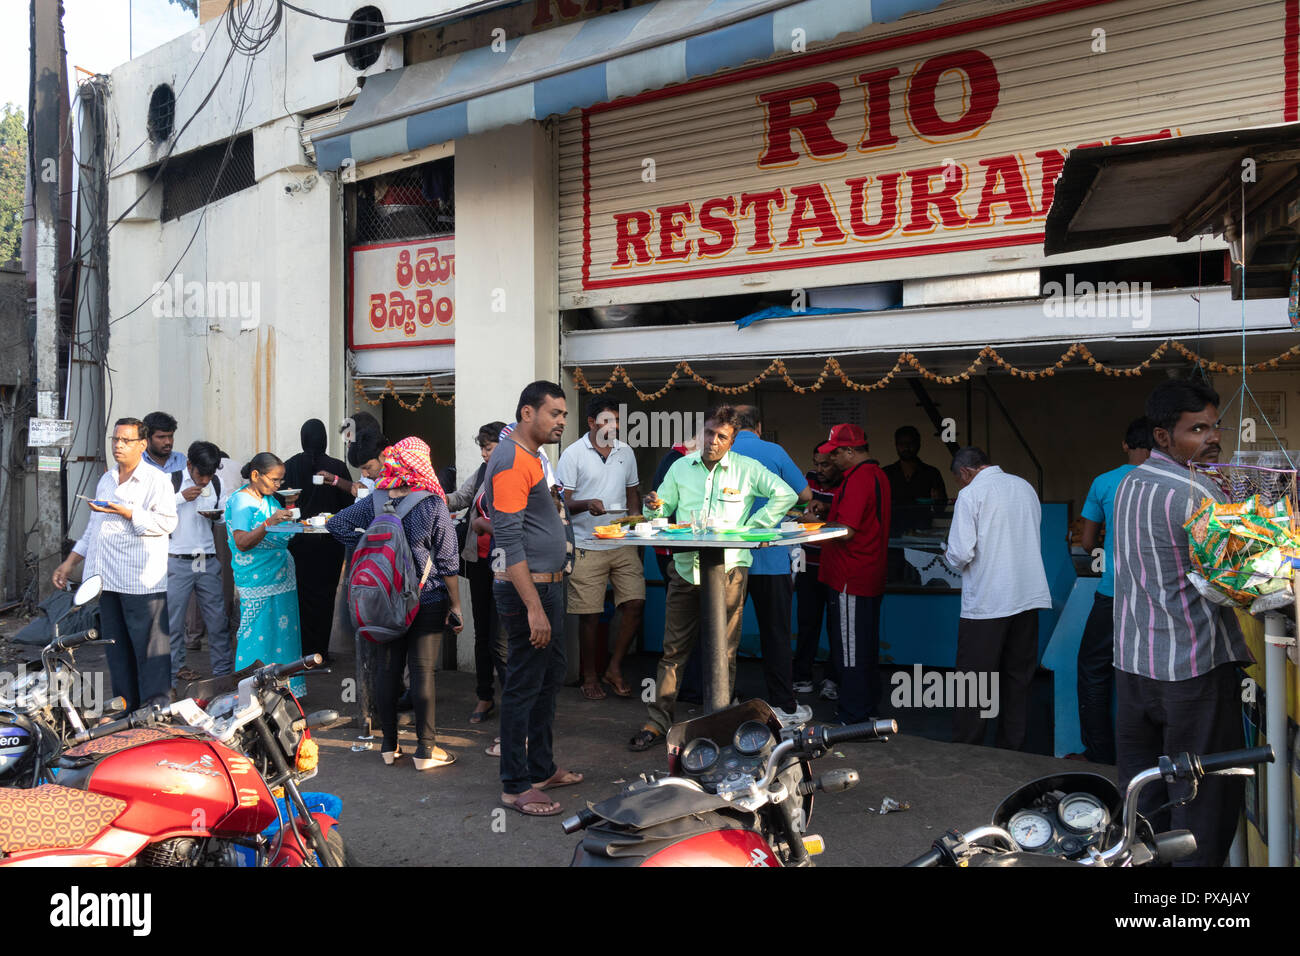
pixel 193 567
pixel 126 544
pixel 600 483
pixel 994 543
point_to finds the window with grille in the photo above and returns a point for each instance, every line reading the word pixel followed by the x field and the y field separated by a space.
pixel 214 172
pixel 414 203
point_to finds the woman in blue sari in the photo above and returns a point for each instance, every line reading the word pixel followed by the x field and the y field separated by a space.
pixel 263 570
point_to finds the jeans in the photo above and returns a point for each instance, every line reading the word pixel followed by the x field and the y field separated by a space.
pixel 855 648
pixel 1201 715
pixel 139 658
pixel 773 597
pixel 417 648
pixel 200 576
pixel 489 646
pixel 533 679
pixel 1096 680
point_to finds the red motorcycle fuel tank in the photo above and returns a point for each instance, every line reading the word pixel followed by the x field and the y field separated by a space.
pixel 717 848
pixel 181 785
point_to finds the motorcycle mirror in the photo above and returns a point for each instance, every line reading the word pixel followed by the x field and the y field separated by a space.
pixel 88 590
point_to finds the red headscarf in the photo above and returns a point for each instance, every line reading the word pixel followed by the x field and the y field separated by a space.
pixel 407 463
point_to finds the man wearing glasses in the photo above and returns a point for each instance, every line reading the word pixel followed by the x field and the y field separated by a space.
pixel 134 513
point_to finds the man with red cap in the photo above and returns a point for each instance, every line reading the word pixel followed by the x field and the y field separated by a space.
pixel 853 569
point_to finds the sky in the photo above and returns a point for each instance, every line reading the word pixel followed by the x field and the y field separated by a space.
pixel 95 33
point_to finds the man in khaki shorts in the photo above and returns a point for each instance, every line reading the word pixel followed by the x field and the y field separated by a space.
pixel 600 483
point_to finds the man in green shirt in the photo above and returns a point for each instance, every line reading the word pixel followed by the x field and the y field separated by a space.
pixel 722 485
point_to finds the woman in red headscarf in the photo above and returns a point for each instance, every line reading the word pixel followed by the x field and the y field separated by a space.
pixel 432 538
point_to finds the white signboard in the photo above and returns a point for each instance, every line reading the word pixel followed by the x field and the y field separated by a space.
pixel 48 432
pixel 403 294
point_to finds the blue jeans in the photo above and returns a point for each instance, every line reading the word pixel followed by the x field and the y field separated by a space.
pixel 533 679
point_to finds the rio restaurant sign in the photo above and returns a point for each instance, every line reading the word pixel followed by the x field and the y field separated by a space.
pixel 403 293
pixel 939 140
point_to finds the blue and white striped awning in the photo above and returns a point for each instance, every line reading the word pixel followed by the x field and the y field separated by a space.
pixel 581 64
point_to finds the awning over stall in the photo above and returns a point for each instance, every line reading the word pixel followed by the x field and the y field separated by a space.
pixel 551 72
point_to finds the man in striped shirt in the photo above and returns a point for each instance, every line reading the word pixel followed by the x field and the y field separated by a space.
pixel 1176 653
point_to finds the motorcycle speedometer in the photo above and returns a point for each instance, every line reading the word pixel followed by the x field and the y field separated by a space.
pixel 700 755
pixel 1030 829
pixel 751 738
pixel 1083 813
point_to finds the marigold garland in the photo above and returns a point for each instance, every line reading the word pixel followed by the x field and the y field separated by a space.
pixel 426 391
pixel 831 368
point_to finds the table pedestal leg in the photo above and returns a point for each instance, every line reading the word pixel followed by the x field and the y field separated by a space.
pixel 713 629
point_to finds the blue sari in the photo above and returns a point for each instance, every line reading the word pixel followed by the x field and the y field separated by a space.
pixel 268 590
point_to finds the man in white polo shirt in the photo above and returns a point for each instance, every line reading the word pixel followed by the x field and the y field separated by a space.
pixel 192 564
pixel 600 483
pixel 126 543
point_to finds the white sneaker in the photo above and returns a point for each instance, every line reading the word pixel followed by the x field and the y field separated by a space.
pixel 830 691
pixel 801 714
pixel 803 687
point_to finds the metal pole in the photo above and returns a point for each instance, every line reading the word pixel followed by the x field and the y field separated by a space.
pixel 1279 772
pixel 713 629
pixel 44 166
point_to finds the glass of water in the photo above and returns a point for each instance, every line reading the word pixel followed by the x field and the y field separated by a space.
pixel 699 522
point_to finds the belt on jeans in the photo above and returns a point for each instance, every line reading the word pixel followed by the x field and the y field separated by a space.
pixel 538 577
pixel 190 557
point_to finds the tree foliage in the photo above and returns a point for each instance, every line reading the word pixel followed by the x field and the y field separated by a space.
pixel 13 179
pixel 191 6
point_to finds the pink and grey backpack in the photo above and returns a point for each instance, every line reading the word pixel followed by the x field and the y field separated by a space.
pixel 383 592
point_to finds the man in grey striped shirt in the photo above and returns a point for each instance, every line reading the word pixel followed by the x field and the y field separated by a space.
pixel 1176 653
pixel 126 544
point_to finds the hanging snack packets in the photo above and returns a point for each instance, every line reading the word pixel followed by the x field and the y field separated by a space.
pixel 1245 550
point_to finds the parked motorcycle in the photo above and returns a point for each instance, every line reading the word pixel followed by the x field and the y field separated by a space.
pixel 183 786
pixel 38 713
pixel 736 794
pixel 1079 819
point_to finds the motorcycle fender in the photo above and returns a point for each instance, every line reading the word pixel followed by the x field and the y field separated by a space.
pixel 289 854
pixel 717 848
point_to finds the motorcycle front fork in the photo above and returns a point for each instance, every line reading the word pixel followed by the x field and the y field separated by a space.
pixel 282 768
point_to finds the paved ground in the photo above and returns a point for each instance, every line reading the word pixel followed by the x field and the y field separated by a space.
pixel 398 816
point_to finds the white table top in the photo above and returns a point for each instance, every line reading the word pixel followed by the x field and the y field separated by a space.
pixel 711 540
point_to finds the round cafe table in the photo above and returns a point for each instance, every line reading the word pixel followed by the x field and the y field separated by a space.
pixel 712 547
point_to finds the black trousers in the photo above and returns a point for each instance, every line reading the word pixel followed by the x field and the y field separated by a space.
pixel 139 652
pixel 317 561
pixel 812 595
pixel 417 648
pixel 1201 715
pixel 489 645
pixel 773 597
pixel 1096 681
pixel 854 625
pixel 691 688
pixel 533 680
pixel 1007 646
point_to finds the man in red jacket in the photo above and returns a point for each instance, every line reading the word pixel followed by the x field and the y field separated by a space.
pixel 853 570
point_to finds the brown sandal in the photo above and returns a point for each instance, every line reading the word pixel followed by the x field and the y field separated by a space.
pixel 533 798
pixel 561 778
pixel 619 686
pixel 593 692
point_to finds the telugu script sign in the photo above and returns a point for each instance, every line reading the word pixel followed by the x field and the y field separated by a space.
pixel 403 294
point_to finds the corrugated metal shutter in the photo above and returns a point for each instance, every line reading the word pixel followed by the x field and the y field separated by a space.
pixel 1187 66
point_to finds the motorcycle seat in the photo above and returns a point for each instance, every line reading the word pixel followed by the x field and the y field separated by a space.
pixel 51 816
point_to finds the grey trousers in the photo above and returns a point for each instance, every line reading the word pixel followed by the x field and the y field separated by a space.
pixel 200 577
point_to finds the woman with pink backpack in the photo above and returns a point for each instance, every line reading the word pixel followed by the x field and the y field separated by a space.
pixel 404 591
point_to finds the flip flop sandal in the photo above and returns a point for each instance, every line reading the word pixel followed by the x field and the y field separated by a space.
pixel 619 687
pixel 494 750
pixel 593 692
pixel 644 740
pixel 557 780
pixel 533 798
pixel 188 674
pixel 478 716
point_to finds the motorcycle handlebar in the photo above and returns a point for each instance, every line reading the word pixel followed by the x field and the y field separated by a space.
pixel 140 718
pixel 932 858
pixel 1211 763
pixel 579 821
pixel 281 671
pixel 869 730
pixel 77 639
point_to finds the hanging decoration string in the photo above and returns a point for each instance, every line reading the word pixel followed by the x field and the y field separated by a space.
pixel 390 390
pixel 987 355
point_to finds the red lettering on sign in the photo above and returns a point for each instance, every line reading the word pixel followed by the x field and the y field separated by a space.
pixel 378 311
pixel 1004 185
pixel 1053 161
pixel 671 230
pixel 980 99
pixel 404 271
pixel 780 122
pixel 813 209
pixel 762 204
pixel 631 237
pixel 953 178
pixel 543 15
pixel 712 220
pixel 861 226
pixel 875 98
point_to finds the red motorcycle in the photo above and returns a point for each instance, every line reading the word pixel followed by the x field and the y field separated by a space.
pixel 182 786
pixel 736 794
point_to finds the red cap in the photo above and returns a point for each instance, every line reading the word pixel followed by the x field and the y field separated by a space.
pixel 843 436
